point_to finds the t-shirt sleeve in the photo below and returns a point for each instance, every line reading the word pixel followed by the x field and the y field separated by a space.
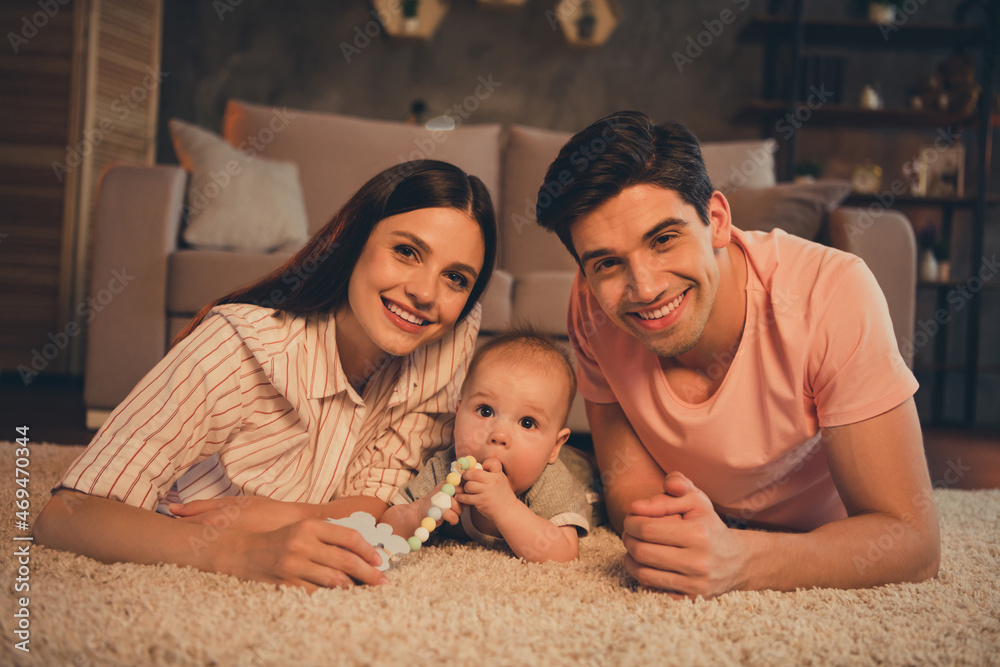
pixel 181 412
pixel 581 326
pixel 855 371
pixel 433 473
pixel 558 497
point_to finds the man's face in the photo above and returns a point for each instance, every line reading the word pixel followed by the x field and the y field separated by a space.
pixel 651 263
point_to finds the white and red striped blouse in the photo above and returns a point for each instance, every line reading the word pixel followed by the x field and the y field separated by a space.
pixel 255 402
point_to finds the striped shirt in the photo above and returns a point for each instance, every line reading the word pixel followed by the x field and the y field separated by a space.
pixel 255 402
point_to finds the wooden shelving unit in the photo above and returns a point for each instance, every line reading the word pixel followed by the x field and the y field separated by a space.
pixel 799 34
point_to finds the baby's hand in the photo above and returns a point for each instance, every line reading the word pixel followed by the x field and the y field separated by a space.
pixel 405 519
pixel 488 490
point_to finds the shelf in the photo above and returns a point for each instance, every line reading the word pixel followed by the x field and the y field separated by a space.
pixel 953 368
pixel 863 199
pixel 863 35
pixel 952 284
pixel 860 118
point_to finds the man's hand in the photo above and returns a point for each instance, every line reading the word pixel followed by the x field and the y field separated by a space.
pixel 488 490
pixel 257 514
pixel 677 543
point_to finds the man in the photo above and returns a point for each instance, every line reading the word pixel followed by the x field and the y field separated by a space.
pixel 733 379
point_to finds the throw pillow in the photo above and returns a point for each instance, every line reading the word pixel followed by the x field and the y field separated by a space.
pixel 797 208
pixel 237 201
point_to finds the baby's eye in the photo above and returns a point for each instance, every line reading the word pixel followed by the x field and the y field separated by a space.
pixel 484 411
pixel 528 423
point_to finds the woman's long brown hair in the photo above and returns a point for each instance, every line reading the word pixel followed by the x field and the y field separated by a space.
pixel 315 279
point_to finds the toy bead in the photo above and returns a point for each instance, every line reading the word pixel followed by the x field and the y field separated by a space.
pixel 434 513
pixel 448 489
pixel 453 478
pixel 441 500
pixel 427 524
pixel 464 463
pixel 414 543
pixel 421 534
pixel 472 461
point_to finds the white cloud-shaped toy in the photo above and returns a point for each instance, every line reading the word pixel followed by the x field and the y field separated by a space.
pixel 379 536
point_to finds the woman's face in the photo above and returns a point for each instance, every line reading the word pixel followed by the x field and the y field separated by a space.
pixel 413 278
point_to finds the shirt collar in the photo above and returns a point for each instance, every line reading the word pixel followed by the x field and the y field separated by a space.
pixel 325 373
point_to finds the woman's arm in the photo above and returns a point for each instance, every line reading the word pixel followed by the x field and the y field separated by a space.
pixel 310 553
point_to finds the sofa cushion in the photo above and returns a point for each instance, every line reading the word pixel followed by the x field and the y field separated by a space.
pixel 541 300
pixel 732 165
pixel 337 154
pixel 524 246
pixel 237 201
pixel 197 277
pixel 797 208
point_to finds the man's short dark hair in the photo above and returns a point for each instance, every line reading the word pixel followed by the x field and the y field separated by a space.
pixel 615 153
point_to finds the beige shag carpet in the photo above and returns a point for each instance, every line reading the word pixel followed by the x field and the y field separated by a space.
pixel 461 604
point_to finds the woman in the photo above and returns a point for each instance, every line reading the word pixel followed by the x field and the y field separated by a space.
pixel 320 385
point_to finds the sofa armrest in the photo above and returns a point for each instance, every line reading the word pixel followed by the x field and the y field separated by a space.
pixel 136 224
pixel 886 243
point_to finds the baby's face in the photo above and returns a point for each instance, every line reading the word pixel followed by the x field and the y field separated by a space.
pixel 513 412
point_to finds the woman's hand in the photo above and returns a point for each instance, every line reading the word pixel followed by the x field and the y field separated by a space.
pixel 312 554
pixel 257 514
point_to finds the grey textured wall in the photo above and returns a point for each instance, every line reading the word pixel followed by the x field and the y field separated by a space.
pixel 292 54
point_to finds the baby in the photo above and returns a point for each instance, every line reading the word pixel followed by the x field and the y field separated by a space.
pixel 511 416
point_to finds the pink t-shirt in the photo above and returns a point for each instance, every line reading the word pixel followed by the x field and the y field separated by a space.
pixel 817 350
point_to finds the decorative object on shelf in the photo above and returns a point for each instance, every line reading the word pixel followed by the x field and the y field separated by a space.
pixel 882 11
pixel 808 171
pixel 911 176
pixel 417 110
pixel 411 16
pixel 958 79
pixel 951 88
pixel 867 178
pixel 942 171
pixel 410 19
pixel 870 99
pixel 585 23
pixel 927 269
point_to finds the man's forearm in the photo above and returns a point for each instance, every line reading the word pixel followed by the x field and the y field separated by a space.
pixel 857 552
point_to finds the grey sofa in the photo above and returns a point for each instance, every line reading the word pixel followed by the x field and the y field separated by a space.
pixel 140 211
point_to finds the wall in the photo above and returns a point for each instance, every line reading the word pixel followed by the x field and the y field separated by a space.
pixel 291 54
